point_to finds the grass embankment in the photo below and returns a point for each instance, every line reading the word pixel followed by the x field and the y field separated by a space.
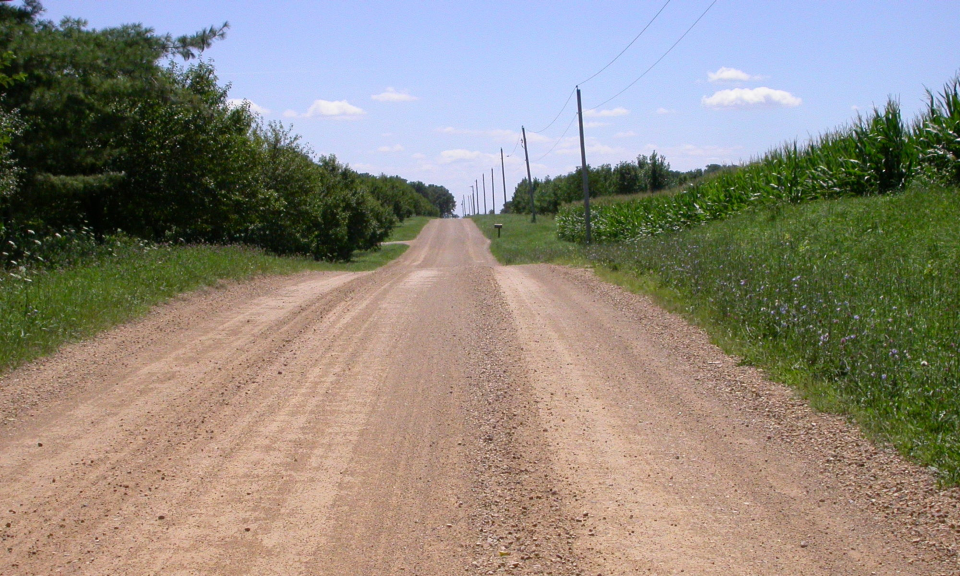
pixel 853 301
pixel 41 310
pixel 522 242
pixel 409 228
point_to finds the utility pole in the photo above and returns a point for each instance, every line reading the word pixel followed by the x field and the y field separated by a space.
pixel 476 196
pixel 483 179
pixel 526 154
pixel 503 172
pixel 471 200
pixel 493 192
pixel 583 170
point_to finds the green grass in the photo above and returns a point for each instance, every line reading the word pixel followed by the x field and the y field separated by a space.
pixel 854 301
pixel 522 242
pixel 42 310
pixel 409 228
pixel 364 261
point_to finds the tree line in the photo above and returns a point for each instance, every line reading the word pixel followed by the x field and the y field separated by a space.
pixel 124 129
pixel 648 174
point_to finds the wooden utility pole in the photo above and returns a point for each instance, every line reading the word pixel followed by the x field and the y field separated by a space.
pixel 493 192
pixel 503 172
pixel 526 154
pixel 583 170
pixel 476 195
pixel 483 180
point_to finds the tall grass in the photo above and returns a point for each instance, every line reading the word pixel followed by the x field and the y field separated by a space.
pixel 523 242
pixel 855 300
pixel 68 286
pixel 876 154
pixel 408 229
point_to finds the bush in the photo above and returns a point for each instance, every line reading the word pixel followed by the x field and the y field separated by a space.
pixel 118 137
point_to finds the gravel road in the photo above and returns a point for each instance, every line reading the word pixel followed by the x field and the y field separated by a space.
pixel 442 415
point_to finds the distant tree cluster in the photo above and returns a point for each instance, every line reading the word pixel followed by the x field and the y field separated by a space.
pixel 124 129
pixel 649 174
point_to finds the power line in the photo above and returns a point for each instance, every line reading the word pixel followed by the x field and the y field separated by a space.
pixel 572 92
pixel 558 139
pixel 630 85
pixel 637 37
pixel 515 146
pixel 655 16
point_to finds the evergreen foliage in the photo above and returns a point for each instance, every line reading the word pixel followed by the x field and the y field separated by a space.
pixel 649 174
pixel 125 129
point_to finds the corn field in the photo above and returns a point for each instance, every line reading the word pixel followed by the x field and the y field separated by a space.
pixel 876 154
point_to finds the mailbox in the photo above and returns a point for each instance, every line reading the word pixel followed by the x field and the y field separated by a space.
pixel 498 227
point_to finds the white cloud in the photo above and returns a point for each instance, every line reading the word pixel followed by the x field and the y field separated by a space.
pixel 340 109
pixel 238 102
pixel 459 154
pixel 418 156
pixel 627 134
pixel 708 151
pixel 595 124
pixel 590 149
pixel 333 108
pixel 594 113
pixel 689 156
pixel 601 149
pixel 570 146
pixel 534 137
pixel 394 148
pixel 662 111
pixel 750 98
pixel 499 134
pixel 391 95
pixel 725 74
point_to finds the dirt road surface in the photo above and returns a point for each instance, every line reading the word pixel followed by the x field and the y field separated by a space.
pixel 442 415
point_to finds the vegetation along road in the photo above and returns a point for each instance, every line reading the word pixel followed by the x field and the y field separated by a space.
pixel 441 415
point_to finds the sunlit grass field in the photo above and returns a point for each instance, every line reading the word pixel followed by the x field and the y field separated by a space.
pixel 853 301
pixel 409 228
pixel 522 242
pixel 40 309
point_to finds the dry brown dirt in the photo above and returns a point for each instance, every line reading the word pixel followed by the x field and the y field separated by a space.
pixel 442 415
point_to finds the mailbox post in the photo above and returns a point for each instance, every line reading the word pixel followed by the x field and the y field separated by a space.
pixel 498 227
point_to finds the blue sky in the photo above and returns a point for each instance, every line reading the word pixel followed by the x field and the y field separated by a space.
pixel 432 90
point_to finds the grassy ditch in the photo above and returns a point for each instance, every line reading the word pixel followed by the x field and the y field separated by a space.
pixel 409 228
pixel 41 309
pixel 854 301
pixel 523 242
